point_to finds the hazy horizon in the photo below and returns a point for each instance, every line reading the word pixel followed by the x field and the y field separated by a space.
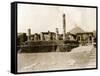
pixel 41 18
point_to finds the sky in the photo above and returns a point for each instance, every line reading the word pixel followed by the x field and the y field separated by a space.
pixel 44 18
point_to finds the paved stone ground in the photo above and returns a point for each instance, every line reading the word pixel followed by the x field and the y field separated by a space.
pixel 81 57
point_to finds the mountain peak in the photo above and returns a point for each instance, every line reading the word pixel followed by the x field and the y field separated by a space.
pixel 77 30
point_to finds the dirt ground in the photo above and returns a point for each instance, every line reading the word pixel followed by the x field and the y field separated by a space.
pixel 80 57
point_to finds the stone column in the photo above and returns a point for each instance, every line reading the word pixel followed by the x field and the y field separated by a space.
pixel 64 27
pixel 29 34
pixel 49 35
pixel 81 39
pixel 41 36
pixel 89 39
pixel 92 40
pixel 57 33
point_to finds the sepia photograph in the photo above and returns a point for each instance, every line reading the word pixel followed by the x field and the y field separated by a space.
pixel 55 37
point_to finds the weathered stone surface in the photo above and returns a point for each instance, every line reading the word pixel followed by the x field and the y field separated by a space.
pixel 80 57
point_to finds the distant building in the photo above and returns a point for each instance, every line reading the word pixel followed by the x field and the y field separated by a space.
pixel 21 38
pixel 85 38
pixel 70 36
pixel 42 36
pixel 76 34
pixel 36 37
pixel 48 36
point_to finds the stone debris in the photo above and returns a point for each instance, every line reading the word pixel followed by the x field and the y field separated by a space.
pixel 80 57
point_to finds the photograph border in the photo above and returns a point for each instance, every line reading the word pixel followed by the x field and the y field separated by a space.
pixel 14 35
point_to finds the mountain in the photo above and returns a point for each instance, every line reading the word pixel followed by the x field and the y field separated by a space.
pixel 77 30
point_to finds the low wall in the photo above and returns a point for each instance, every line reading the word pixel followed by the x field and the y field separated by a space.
pixel 48 46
